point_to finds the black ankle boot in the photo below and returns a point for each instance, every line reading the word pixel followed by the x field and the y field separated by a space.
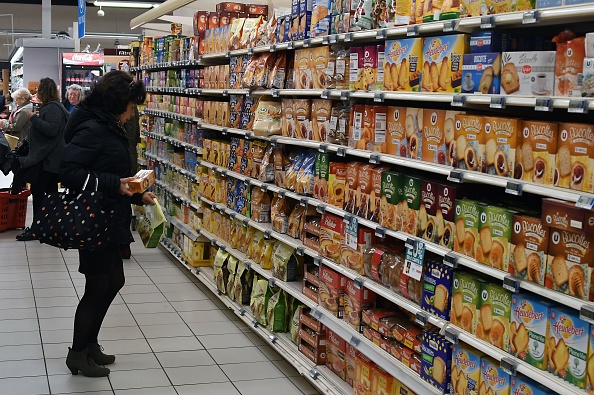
pixel 26 235
pixel 96 352
pixel 82 361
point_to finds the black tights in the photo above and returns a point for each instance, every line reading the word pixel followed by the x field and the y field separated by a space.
pixel 100 291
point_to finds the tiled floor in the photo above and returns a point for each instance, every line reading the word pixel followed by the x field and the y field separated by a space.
pixel 170 334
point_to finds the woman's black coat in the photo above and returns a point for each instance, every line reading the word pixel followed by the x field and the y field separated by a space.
pixel 97 143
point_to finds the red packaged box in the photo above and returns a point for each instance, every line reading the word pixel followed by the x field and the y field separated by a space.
pixel 563 215
pixel 200 24
pixel 213 20
pixel 372 317
pixel 316 355
pixel 331 234
pixel 230 7
pixel 256 9
pixel 312 323
pixel 351 362
pixel 310 290
pixel 355 301
pixel 335 354
pixel 408 334
pixel 331 294
pixel 225 19
pixel 311 274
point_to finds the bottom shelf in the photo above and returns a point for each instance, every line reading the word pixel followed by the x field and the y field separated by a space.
pixel 319 376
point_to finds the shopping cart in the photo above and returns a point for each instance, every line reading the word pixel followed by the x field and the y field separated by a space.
pixel 13 209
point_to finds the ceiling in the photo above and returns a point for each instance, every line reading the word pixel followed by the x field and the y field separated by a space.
pixel 66 2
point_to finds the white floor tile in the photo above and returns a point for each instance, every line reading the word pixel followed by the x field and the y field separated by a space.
pixel 24 284
pixel 185 358
pixel 158 318
pixel 17 314
pixel 53 292
pixel 196 375
pixel 131 346
pixel 179 343
pixel 204 316
pixel 16 293
pixel 69 383
pixel 57 336
pixel 268 387
pixel 57 312
pixel 147 391
pixel 194 305
pixel 135 362
pixel 24 368
pixel 144 298
pixel 56 301
pixel 212 328
pixel 143 308
pixel 20 352
pixel 19 338
pixel 120 333
pixel 251 371
pixel 12 325
pixel 19 303
pixel 224 341
pixel 207 389
pixel 139 289
pixel 26 385
pixel 166 330
pixel 147 378
pixel 62 275
pixel 237 355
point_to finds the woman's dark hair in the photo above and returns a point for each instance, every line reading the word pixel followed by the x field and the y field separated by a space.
pixel 47 91
pixel 114 91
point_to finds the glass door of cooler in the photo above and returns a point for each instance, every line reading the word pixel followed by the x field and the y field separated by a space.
pixel 83 76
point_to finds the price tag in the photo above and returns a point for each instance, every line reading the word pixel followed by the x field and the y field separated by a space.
pixel 247 264
pixel 345 95
pixel 577 107
pixel 359 282
pixel 213 243
pixel 303 202
pixel 355 341
pixel 245 222
pixel 224 131
pixel 318 260
pixel 272 338
pixel 449 26
pixel 374 159
pixel 380 232
pixel 272 48
pixel 512 283
pixel 458 101
pixel 290 45
pixel 241 312
pixel 585 202
pixel 378 97
pixel 321 209
pixel 412 31
pixel 199 58
pixel 228 54
pixel 325 40
pixel 264 187
pixel 323 148
pixel 325 94
pixel 341 151
pixel 300 251
pixel 267 234
pixel 225 92
pixel 413 264
pixel 250 51
pixel 509 366
pixel 451 334
pixel 275 93
pixel 313 373
pixel 514 188
pixel 381 34
pixel 317 314
pixel 497 102
pixel 422 318
pixel 281 194
pixel 333 39
pixel 450 260
pixel 197 271
pixel 487 22
pixel 456 176
pixel 348 37
pixel 306 43
pixel 272 282
pixel 530 17
pixel 543 104
pixel 255 323
pixel 587 313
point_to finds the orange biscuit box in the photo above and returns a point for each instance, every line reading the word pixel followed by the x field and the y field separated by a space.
pixel 501 138
pixel 396 141
pixel 575 157
pixel 535 158
pixel 434 149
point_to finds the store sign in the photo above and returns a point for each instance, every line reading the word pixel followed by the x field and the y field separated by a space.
pixel 82 58
pixel 116 52
pixel 82 10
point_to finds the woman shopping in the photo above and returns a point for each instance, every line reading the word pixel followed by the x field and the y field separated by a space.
pixel 18 122
pixel 41 166
pixel 74 95
pixel 97 146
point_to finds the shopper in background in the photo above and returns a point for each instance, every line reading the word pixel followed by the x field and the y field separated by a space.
pixel 6 110
pixel 133 135
pixel 97 145
pixel 18 122
pixel 74 95
pixel 46 146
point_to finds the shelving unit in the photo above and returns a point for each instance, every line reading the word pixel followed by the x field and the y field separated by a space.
pixel 575 107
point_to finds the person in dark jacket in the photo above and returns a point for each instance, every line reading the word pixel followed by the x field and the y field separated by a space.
pixel 74 96
pixel 46 146
pixel 97 145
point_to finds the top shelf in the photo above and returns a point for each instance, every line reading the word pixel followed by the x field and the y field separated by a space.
pixel 549 16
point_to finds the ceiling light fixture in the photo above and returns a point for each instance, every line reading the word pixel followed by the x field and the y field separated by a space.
pixel 124 4
pixel 100 12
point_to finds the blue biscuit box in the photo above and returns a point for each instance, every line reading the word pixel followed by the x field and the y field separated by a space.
pixel 521 385
pixel 481 73
pixel 436 360
pixel 485 41
pixel 437 289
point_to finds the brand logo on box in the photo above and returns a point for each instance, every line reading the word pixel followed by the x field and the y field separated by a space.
pixel 526 69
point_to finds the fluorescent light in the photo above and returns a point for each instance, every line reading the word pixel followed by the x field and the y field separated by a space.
pixel 165 8
pixel 124 4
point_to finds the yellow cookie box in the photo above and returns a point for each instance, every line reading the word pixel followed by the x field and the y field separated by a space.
pixel 442 62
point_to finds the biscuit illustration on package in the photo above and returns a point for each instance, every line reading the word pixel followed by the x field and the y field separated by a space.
pixel 575 157
pixel 402 64
pixel 528 248
pixel 528 73
pixel 442 62
pixel 466 370
pixel 528 330
pixel 495 314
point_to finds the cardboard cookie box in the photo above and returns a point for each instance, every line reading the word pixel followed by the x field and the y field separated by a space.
pixel 438 135
pixel 528 73
pixel 391 200
pixel 331 236
pixel 442 62
pixel 467 227
pixel 568 344
pixel 529 248
pixel 469 135
pixel 436 363
pixel 355 301
pixel 331 292
pixel 466 369
pixel 412 195
pixel 335 354
pixel 522 385
pixel 357 240
pixel 311 282
pixel 493 379
pixel 437 289
pixel 560 214
pixel 445 216
pixel 495 230
pixel 428 210
pixel 466 293
pixel 494 316
pixel 528 330
pixel 575 157
pixel 351 363
pixel 502 135
pixel 402 66
pixel 363 374
pixel 481 73
pixel 396 139
pixel 570 261
pixel 535 157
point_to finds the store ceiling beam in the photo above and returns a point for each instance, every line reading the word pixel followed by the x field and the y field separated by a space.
pixel 165 8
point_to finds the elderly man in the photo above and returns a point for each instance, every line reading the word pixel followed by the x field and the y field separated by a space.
pixel 74 95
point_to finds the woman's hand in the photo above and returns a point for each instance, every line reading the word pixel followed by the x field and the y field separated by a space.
pixel 32 113
pixel 124 190
pixel 149 198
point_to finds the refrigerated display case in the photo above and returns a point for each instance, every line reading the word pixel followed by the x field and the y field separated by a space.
pixel 83 69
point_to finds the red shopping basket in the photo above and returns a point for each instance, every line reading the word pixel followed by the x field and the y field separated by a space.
pixel 13 209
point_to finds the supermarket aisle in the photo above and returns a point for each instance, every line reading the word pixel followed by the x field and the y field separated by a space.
pixel 170 334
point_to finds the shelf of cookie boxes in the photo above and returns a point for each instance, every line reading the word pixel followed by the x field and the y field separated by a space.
pixel 365 346
pixel 512 186
pixel 320 376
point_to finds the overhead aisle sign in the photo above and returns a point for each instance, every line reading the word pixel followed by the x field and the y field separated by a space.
pixel 82 10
